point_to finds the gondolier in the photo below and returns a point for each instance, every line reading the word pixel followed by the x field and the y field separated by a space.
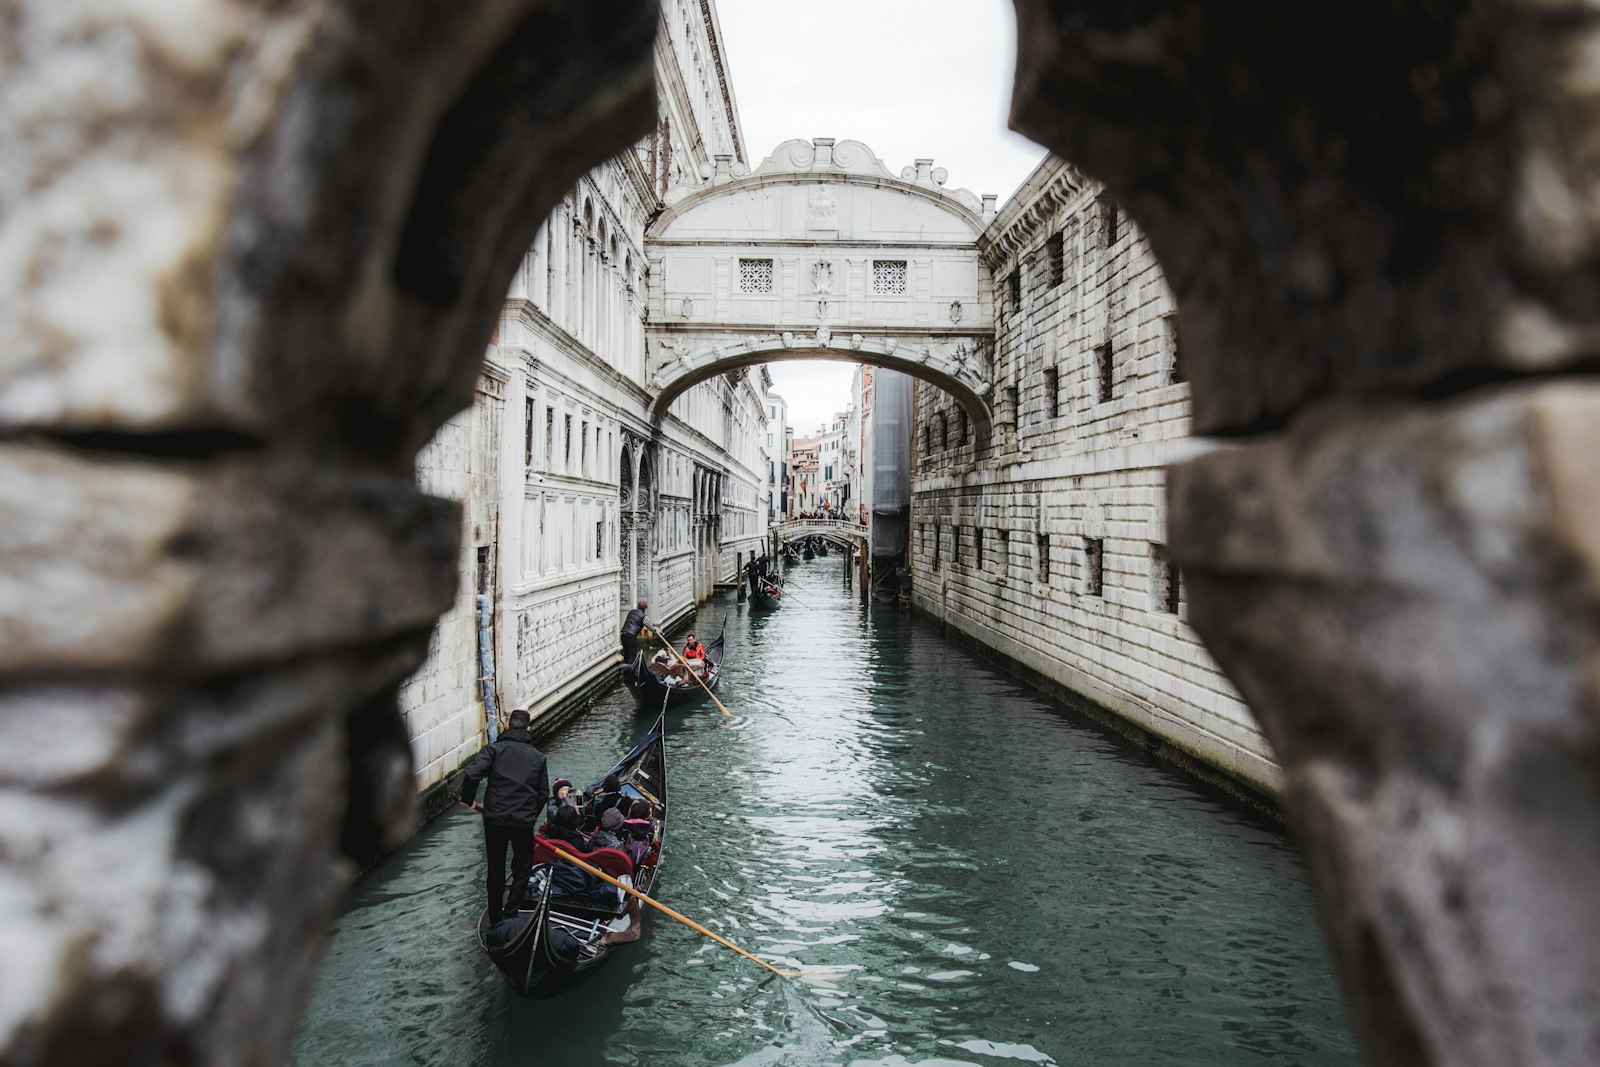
pixel 519 786
pixel 631 627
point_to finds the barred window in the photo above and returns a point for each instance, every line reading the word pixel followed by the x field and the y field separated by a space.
pixel 888 276
pixel 755 275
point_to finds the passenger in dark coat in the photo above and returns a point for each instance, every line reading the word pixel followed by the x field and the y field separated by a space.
pixel 518 787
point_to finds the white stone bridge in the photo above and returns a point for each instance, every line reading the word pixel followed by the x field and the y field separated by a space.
pixel 822 253
pixel 841 532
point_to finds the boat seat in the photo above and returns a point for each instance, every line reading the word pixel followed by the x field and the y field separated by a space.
pixel 613 861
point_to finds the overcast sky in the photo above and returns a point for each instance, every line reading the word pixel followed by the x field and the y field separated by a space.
pixel 910 78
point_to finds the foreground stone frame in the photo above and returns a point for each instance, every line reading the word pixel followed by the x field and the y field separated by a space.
pixel 298 221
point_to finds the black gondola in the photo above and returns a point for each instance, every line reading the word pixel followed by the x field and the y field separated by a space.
pixel 557 938
pixel 767 595
pixel 652 692
pixel 822 548
pixel 810 553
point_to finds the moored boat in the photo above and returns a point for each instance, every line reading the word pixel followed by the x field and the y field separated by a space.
pixel 558 937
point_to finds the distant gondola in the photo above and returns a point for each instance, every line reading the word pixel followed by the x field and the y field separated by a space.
pixel 822 548
pixel 766 595
pixel 556 939
pixel 809 554
pixel 652 692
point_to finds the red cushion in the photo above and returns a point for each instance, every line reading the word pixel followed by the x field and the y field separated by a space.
pixel 613 862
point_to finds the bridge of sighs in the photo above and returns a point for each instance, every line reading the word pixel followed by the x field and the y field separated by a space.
pixel 822 253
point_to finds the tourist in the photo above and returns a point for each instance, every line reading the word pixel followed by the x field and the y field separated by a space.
pixel 560 793
pixel 640 830
pixel 609 833
pixel 608 796
pixel 694 653
pixel 518 786
pixel 564 826
pixel 631 627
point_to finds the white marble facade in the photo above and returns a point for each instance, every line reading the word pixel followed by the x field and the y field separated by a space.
pixel 578 498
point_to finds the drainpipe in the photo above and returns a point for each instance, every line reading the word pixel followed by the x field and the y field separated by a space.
pixel 486 669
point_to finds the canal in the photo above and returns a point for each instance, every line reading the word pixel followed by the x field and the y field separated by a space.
pixel 976 877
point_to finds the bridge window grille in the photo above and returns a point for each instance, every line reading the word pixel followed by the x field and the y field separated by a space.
pixel 1056 252
pixel 1094 557
pixel 755 275
pixel 888 276
pixel 1166 589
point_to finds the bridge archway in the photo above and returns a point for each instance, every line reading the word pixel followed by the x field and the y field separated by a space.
pixel 822 253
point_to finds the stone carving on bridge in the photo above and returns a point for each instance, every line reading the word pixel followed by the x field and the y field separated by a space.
pixel 955 311
pixel 788 339
pixel 822 210
pixel 824 335
pixel 822 309
pixel 822 276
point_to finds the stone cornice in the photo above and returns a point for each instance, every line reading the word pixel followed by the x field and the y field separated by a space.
pixel 1016 228
pixel 714 35
pixel 537 321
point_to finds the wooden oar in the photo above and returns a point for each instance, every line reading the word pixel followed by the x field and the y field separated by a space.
pixel 692 674
pixel 690 923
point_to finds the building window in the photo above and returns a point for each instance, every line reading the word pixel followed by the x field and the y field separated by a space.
pixel 1014 288
pixel 1109 219
pixel 549 437
pixel 977 545
pixel 583 448
pixel 1043 544
pixel 889 276
pixel 955 546
pixel 1002 553
pixel 1014 405
pixel 1166 586
pixel 527 432
pixel 1055 250
pixel 1094 557
pixel 938 537
pixel 600 540
pixel 567 449
pixel 1169 336
pixel 944 431
pixel 1052 392
pixel 961 426
pixel 755 275
pixel 1103 371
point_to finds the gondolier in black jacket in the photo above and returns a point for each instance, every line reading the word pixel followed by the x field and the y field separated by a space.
pixel 630 632
pixel 518 787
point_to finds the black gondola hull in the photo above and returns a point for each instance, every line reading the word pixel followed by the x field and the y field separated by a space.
pixel 652 694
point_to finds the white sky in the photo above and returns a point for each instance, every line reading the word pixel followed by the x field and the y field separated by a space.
pixel 910 78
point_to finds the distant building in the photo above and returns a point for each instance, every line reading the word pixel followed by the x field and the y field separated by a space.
pixel 778 436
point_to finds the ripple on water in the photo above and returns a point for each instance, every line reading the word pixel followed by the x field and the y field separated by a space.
pixel 963 874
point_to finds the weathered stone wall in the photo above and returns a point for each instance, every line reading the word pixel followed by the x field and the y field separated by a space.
pixel 1004 531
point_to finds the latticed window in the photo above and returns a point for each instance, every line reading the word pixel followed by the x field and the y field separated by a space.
pixel 755 275
pixel 888 276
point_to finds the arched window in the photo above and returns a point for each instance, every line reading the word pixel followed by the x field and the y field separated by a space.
pixel 944 431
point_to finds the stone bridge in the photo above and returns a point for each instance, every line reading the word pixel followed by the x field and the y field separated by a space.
pixel 822 253
pixel 839 531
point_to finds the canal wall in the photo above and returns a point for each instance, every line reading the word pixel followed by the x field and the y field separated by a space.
pixel 1048 546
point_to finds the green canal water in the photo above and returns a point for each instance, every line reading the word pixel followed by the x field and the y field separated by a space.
pixel 976 878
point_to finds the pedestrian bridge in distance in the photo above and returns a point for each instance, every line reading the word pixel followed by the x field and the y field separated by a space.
pixel 841 532
pixel 822 253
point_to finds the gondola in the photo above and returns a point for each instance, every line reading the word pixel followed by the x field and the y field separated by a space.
pixel 652 693
pixel 555 940
pixel 763 600
pixel 822 548
pixel 809 554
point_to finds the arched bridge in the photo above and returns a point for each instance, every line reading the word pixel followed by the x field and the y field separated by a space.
pixel 840 531
pixel 822 253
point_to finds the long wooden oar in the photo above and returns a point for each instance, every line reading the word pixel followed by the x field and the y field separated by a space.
pixel 690 923
pixel 690 669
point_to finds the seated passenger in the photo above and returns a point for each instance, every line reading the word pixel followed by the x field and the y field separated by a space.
pixel 607 836
pixel 609 795
pixel 560 793
pixel 694 654
pixel 639 830
pixel 563 826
